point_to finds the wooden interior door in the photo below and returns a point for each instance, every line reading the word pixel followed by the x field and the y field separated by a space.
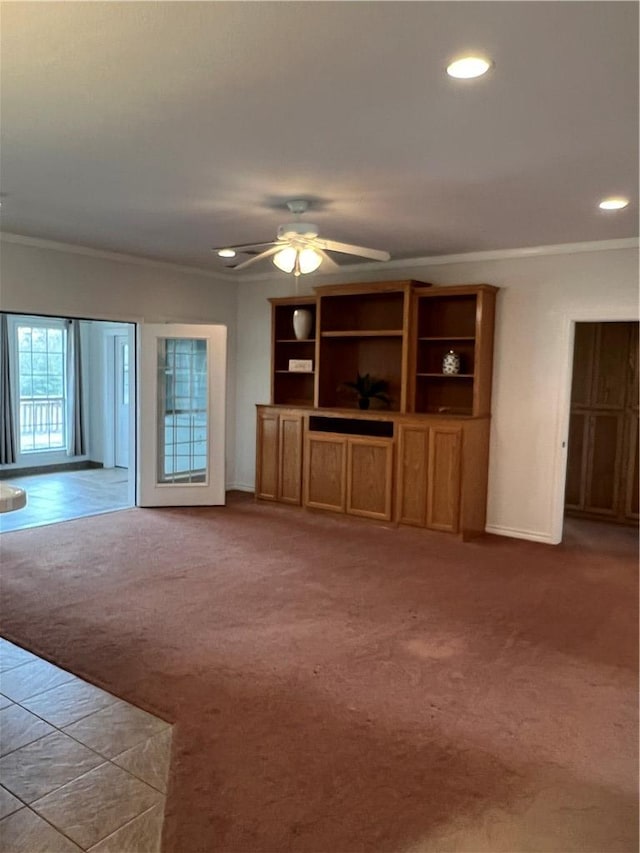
pixel 603 438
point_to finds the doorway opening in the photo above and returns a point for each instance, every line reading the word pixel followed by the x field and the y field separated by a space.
pixel 602 454
pixel 70 418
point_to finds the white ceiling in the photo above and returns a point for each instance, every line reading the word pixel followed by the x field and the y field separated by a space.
pixel 163 129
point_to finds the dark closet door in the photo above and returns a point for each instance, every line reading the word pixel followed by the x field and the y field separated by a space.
pixel 631 462
pixel 603 430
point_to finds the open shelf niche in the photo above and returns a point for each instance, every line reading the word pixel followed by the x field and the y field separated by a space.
pixel 458 318
pixel 292 387
pixel 363 329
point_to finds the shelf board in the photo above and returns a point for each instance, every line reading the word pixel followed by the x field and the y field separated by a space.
pixel 295 402
pixel 448 338
pixel 451 411
pixel 445 375
pixel 295 341
pixel 365 333
pixel 296 372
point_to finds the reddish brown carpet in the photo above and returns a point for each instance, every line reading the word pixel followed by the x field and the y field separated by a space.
pixel 340 687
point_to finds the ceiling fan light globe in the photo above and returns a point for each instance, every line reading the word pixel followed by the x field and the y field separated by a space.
pixel 309 260
pixel 285 260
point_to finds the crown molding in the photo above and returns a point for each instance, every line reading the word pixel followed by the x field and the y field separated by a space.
pixel 106 255
pixel 399 264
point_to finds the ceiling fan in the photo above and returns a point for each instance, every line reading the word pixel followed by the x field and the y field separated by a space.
pixel 298 248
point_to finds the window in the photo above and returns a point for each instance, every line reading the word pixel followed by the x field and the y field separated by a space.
pixel 42 347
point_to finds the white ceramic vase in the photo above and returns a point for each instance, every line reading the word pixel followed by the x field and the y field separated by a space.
pixel 302 321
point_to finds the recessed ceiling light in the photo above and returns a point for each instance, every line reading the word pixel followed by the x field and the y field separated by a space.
pixel 468 67
pixel 226 253
pixel 613 203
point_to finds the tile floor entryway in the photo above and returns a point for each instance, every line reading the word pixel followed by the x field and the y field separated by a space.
pixel 79 768
pixel 63 495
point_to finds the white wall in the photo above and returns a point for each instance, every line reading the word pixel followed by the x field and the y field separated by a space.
pixel 40 280
pixel 539 297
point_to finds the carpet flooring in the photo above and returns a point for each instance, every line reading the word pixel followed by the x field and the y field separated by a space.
pixel 345 687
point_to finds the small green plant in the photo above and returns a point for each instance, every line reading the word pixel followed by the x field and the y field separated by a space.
pixel 367 388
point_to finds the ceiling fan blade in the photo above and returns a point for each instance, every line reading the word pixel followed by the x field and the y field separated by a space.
pixel 246 246
pixel 259 257
pixel 328 263
pixel 348 249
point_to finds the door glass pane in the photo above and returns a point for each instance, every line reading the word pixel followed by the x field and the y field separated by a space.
pixel 183 429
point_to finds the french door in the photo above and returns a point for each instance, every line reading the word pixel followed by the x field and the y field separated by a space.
pixel 181 415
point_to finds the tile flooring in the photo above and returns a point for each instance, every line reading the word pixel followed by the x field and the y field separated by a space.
pixel 79 768
pixel 63 495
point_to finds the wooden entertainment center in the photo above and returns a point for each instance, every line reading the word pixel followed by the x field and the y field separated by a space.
pixel 420 459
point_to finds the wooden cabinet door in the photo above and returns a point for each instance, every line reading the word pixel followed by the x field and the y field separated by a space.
pixel 611 367
pixel 267 453
pixel 604 457
pixel 443 483
pixel 631 512
pixel 290 459
pixel 411 488
pixel 325 464
pixel 577 460
pixel 369 477
pixel 584 349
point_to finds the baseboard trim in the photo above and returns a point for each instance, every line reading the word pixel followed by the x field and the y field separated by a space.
pixel 8 473
pixel 516 533
pixel 240 487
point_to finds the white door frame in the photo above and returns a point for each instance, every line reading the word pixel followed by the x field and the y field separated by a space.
pixel 602 314
pixel 108 390
pixel 121 408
